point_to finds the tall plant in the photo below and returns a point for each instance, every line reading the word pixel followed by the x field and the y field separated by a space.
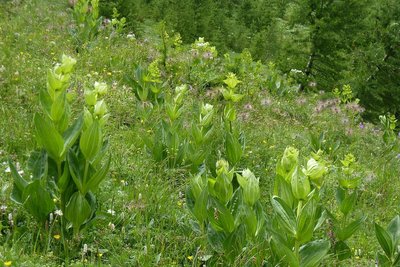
pixel 68 165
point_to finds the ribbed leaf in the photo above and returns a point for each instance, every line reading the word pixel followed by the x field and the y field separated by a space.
pixel 49 137
pixel 91 140
pixel 350 229
pixel 312 253
pixel 384 240
pixel 286 215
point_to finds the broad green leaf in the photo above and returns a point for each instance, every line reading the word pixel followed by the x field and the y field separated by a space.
pixel 91 141
pixel 38 201
pixel 72 133
pixel 77 210
pixel 220 218
pixel 20 182
pixel 342 250
pixel 250 219
pixel 286 215
pixel 284 253
pixel 63 181
pixel 200 207
pixel 312 253
pixel 94 181
pixel 394 229
pixel 233 148
pixel 38 164
pixel 45 101
pixel 58 106
pixel 49 137
pixel 348 203
pixel 384 240
pixel 383 261
pixel 306 222
pixel 75 169
pixel 349 230
pixel 215 239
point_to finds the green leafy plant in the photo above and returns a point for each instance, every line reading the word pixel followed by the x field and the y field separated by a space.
pixel 297 212
pixel 388 124
pixel 345 95
pixel 234 138
pixel 229 213
pixel 201 131
pixel 389 239
pixel 341 225
pixel 168 141
pixel 68 168
pixel 87 20
pixel 202 63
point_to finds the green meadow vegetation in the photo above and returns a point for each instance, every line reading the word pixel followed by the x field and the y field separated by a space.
pixel 127 141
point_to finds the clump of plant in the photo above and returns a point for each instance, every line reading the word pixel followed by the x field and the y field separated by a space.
pixel 297 212
pixel 345 95
pixel 87 22
pixel 389 137
pixel 201 68
pixel 341 224
pixel 68 167
pixel 200 136
pixel 168 142
pixel 227 209
pixel 234 138
pixel 389 240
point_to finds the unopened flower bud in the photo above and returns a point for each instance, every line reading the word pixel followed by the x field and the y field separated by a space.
pixel 290 158
pixel 100 108
pixel 100 88
pixel 300 184
pixel 90 97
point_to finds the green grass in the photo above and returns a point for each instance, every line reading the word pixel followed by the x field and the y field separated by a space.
pixel 143 219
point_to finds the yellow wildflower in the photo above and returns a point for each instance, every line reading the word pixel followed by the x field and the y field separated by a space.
pixel 57 236
pixel 7 263
pixel 190 258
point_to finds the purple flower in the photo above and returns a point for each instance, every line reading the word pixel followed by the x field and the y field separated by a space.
pixel 362 126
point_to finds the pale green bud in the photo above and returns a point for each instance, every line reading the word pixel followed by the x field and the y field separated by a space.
pixel 222 166
pixel 100 108
pixel 300 184
pixel 315 170
pixel 87 118
pixel 68 63
pixel 290 158
pixel 206 108
pixel 100 88
pixel 251 189
pixel 90 97
pixel 180 92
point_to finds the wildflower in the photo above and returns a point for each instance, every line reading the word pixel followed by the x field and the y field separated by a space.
pixel 248 106
pixel 8 170
pixel 100 255
pixel 110 211
pixel 130 36
pixel 111 226
pixel 7 263
pixel 58 213
pixel 85 248
pixel 398 156
pixel 140 196
pixel 3 208
pixel 57 237
pixel 190 258
pixel 362 126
